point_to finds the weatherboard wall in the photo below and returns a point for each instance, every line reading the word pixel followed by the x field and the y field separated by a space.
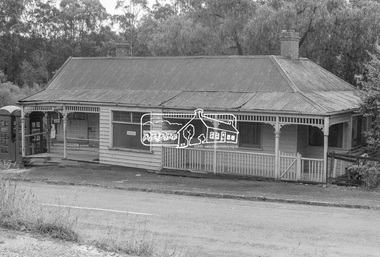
pixel 125 157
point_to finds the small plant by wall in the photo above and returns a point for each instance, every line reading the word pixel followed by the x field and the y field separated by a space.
pixel 367 172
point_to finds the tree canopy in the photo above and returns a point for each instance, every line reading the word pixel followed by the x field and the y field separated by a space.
pixel 37 36
pixel 370 88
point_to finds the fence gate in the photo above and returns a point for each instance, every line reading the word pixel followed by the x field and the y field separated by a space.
pixel 290 166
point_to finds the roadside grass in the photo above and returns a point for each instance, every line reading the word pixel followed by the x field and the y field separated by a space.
pixel 19 210
pixel 139 241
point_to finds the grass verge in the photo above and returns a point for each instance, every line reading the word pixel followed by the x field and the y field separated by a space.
pixel 138 241
pixel 19 210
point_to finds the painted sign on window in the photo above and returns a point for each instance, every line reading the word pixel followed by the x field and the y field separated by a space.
pixel 182 130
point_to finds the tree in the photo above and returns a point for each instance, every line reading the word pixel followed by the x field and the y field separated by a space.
pixel 79 19
pixel 370 105
pixel 10 27
pixel 227 19
pixel 10 93
pixel 128 22
pixel 334 33
pixel 177 36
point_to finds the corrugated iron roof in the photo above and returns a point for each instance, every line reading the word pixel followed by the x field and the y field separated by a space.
pixel 133 97
pixel 256 83
pixel 209 100
pixel 171 74
pixel 308 76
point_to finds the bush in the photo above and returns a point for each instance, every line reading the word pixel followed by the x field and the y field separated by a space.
pixel 6 165
pixel 367 172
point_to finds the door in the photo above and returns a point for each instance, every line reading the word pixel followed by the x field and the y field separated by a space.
pixel 37 143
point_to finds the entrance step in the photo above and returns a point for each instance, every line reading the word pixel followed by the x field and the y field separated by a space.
pixel 41 160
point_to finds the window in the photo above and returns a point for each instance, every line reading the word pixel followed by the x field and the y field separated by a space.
pixel 316 136
pixel 357 127
pixel 126 130
pixel 250 135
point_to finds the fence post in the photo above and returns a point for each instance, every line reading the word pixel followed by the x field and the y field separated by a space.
pixel 330 171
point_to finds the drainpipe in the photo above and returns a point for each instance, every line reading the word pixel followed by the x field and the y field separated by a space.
pixel 325 146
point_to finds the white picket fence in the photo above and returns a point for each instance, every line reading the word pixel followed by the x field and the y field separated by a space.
pixel 312 170
pixel 292 167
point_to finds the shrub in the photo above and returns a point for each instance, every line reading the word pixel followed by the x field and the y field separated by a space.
pixel 5 165
pixel 367 172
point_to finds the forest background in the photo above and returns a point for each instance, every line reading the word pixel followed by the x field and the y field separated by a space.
pixel 37 36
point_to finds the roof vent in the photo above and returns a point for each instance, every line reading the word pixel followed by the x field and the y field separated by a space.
pixel 290 44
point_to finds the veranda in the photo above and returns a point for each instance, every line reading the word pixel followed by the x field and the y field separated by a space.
pixel 274 160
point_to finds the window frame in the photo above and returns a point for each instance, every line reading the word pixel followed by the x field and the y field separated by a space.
pixel 131 122
pixel 246 145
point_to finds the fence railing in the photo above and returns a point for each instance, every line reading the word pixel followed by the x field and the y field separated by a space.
pixel 312 170
pixel 224 162
pixel 292 167
pixel 245 163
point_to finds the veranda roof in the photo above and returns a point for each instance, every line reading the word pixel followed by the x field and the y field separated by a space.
pixel 248 83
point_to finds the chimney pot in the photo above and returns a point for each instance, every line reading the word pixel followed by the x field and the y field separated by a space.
pixel 290 44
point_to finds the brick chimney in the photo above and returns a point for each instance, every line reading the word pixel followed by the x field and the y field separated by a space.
pixel 122 49
pixel 290 44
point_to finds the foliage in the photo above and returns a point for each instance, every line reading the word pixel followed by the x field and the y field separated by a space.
pixel 368 173
pixel 138 241
pixel 37 36
pixel 370 105
pixel 10 93
pixel 20 211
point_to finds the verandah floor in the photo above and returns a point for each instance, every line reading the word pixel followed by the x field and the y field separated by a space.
pixel 82 153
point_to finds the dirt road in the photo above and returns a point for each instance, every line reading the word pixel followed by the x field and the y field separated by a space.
pixel 220 227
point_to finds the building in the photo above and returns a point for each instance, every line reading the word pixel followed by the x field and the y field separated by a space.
pixel 290 112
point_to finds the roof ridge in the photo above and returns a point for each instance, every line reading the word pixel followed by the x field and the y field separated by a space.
pixel 285 75
pixel 174 57
pixel 296 90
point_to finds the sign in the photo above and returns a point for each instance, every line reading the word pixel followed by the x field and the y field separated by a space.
pixel 131 133
pixel 182 130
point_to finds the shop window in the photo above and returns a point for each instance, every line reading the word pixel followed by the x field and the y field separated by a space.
pixel 250 135
pixel 335 136
pixel 126 130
